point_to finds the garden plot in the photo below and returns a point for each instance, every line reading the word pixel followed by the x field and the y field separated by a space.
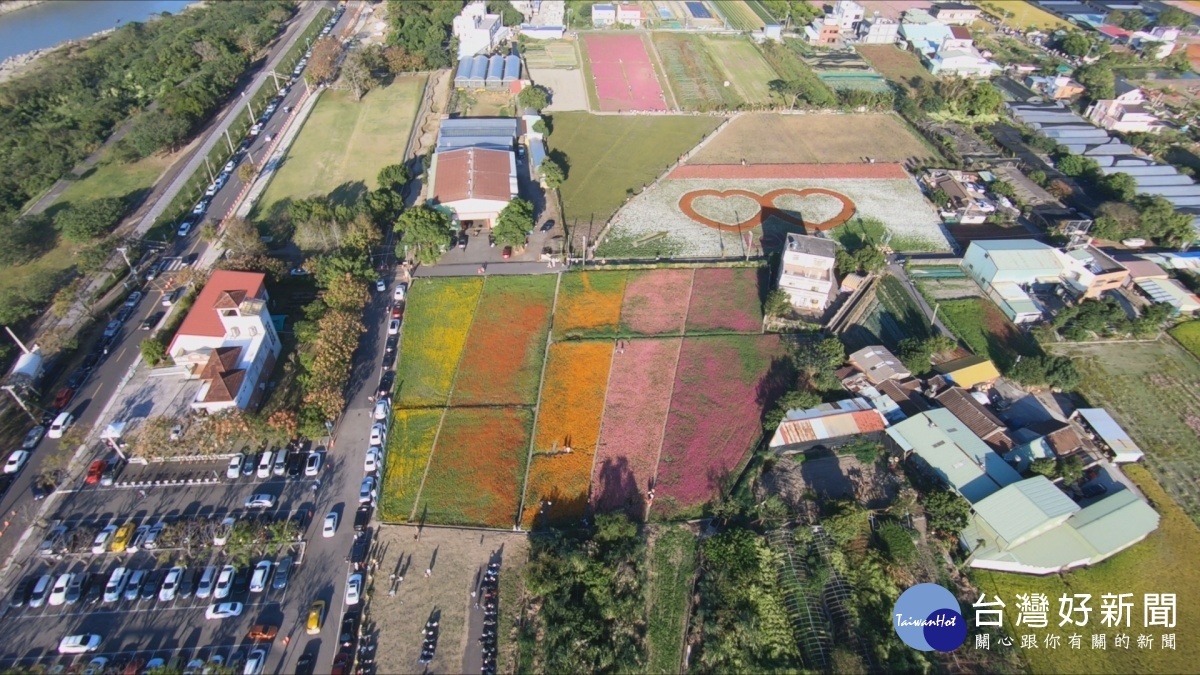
pixel 895 64
pixel 845 69
pixel 742 66
pixel 654 224
pixel 696 79
pixel 769 138
pixel 439 314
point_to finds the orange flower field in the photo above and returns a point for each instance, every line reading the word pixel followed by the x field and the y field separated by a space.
pixel 568 425
pixel 502 360
pixel 589 305
pixel 477 464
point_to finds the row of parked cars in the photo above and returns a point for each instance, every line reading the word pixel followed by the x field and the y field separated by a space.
pixel 238 662
pixel 290 461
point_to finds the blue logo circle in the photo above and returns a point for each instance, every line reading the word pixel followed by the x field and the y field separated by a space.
pixel 928 617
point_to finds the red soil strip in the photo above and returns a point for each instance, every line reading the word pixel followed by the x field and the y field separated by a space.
pixel 623 73
pixel 767 209
pixel 879 170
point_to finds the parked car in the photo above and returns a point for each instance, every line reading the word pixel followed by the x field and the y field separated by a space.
pixel 235 466
pixel 79 644
pixel 133 587
pixel 16 461
pixel 279 467
pixel 58 594
pixel 393 341
pixel 254 664
pixel 103 537
pixel 393 327
pixel 33 437
pixel 312 465
pixel 399 293
pixel 367 491
pixel 373 459
pixel 353 589
pixel 60 425
pixel 116 584
pixel 260 501
pixel 380 285
pixel 20 594
pixel 170 584
pixel 224 582
pixel 261 577
pixel 63 398
pixel 139 536
pixel 378 434
pixel 264 464
pixel 151 541
pixel 223 610
pixel 383 408
pixel 200 207
pixel 152 320
pixel 283 570
pixel 41 590
pixel 75 588
pixel 362 517
pixel 208 579
pixel 547 226
pixel 120 540
pixel 329 528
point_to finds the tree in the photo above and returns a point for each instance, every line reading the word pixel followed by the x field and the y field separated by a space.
pixel 802 399
pixel 358 74
pixel 1173 16
pixel 866 258
pixel 1161 222
pixel 514 223
pixel 322 64
pixel 89 220
pixel 1098 78
pixel 241 238
pixel 422 27
pixel 788 90
pixel 552 173
pixel 1075 44
pixel 247 171
pixel 1060 188
pixel 1070 469
pixel 1119 186
pixel 535 97
pixel 778 304
pixel 400 60
pixel 155 130
pixel 1077 166
pixel 940 198
pixel 1003 188
pixel 947 511
pixel 1134 20
pixel 153 351
pixel 1038 176
pixel 541 128
pixel 25 238
pixel 426 234
pixel 916 353
pixel 393 177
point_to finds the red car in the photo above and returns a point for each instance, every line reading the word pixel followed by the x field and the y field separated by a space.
pixel 95 471
pixel 63 398
pixel 507 253
pixel 397 312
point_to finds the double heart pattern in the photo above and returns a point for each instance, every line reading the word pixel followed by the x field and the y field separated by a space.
pixel 767 208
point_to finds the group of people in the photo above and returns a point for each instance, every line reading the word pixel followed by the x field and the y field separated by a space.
pixel 429 643
pixel 489 602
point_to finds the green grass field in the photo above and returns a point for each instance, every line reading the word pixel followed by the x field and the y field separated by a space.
pixel 743 67
pixel 114 179
pixel 739 15
pixel 344 144
pixel 669 582
pixel 696 77
pixel 1153 390
pixel 610 156
pixel 986 331
pixel 1188 335
pixel 1021 14
pixel 1163 563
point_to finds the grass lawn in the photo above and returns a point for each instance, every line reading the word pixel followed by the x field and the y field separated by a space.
pixel 697 78
pixel 895 64
pixel 1188 335
pixel 1024 14
pixel 114 179
pixel 1153 390
pixel 344 144
pixel 610 157
pixel 743 66
pixel 1163 563
pixel 672 566
pixel 987 332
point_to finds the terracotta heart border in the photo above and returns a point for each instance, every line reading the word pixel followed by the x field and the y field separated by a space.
pixel 767 208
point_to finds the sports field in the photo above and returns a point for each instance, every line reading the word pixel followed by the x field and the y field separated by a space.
pixel 895 64
pixel 696 78
pixel 609 157
pixel 344 144
pixel 623 73
pixel 767 138
pixel 743 67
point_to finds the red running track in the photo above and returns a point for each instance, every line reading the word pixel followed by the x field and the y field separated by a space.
pixel 623 73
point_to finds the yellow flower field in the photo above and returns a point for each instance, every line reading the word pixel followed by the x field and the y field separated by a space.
pixel 589 304
pixel 409 444
pixel 437 319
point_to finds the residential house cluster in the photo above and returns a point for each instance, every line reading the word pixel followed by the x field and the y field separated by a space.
pixel 544 19
pixel 621 13
pixel 970 202
pixel 1013 273
pixel 945 426
pixel 1158 42
pixel 943 48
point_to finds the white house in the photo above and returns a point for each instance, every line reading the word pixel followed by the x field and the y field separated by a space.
pixel 957 55
pixel 611 14
pixel 1125 113
pixel 955 13
pixel 848 14
pixel 228 341
pixel 878 30
pixel 807 273
pixel 1157 43
pixel 477 31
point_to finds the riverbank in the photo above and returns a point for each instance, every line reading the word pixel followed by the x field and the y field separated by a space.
pixel 15 66
pixel 15 5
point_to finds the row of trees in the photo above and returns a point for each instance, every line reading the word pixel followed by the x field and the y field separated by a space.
pixel 52 119
pixel 809 378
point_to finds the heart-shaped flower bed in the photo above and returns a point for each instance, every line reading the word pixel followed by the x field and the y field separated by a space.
pixel 726 210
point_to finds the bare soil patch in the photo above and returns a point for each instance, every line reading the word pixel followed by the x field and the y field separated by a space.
pixel 567 90
pixel 768 138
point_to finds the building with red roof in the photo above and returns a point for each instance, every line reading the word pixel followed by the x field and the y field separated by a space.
pixel 228 341
pixel 830 425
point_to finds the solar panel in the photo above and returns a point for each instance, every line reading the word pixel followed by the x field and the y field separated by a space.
pixel 698 10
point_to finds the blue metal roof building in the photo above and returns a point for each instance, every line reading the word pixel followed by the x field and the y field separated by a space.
pixel 477 132
pixel 512 69
pixel 495 72
pixel 462 76
pixel 478 77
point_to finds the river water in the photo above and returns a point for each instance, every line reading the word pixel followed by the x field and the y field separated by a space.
pixel 58 21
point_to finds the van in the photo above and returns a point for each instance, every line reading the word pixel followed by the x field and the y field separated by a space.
pixel 280 462
pixel 116 584
pixel 264 464
pixel 205 587
pixel 40 590
pixel 79 644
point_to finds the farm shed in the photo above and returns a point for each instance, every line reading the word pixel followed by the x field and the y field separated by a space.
pixel 512 69
pixel 829 424
pixel 462 76
pixel 478 76
pixel 1107 430
pixel 495 73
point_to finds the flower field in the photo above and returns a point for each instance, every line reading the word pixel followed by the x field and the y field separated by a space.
pixel 568 425
pixel 638 399
pixel 409 444
pixel 502 361
pixel 725 300
pixel 655 302
pixel 437 318
pixel 589 305
pixel 715 418
pixel 476 470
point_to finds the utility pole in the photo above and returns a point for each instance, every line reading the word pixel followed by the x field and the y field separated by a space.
pixel 211 176
pixel 124 251
pixel 250 109
pixel 275 76
pixel 228 139
pixel 936 307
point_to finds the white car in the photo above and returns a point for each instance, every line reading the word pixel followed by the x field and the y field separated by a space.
pixel 60 425
pixel 170 584
pixel 58 595
pixel 184 228
pixel 223 610
pixel 400 291
pixel 151 541
pixel 366 491
pixel 230 166
pixel 353 589
pixel 133 587
pixel 103 537
pixel 380 285
pixel 262 575
pixel 254 664
pixel 223 531
pixel 224 582
pixel 330 527
pixel 212 190
pixel 312 465
pixel 116 584
pixel 138 538
pixel 260 501
pixel 235 466
pixel 371 462
pixel 264 464
pixel 16 461
pixel 256 129
pixel 394 327
pixel 378 434
pixel 382 408
pixel 205 587
pixel 78 644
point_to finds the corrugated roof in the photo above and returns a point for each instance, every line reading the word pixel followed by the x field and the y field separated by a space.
pixel 1114 522
pixel 472 173
pixel 978 419
pixel 969 371
pixel 835 424
pixel 1020 508
pixel 879 364
pixel 1020 254
pixel 958 456
pixel 1109 431
pixel 203 319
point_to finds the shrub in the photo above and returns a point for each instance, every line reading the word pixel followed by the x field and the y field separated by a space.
pixel 897 542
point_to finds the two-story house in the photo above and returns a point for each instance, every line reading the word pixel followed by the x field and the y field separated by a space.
pixel 1126 112
pixel 477 31
pixel 807 273
pixel 228 341
pixel 957 55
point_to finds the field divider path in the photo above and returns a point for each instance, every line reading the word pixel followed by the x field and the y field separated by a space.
pixel 600 429
pixel 442 420
pixel 661 71
pixel 537 409
pixel 589 79
pixel 662 433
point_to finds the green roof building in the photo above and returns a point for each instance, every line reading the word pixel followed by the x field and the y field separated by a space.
pixel 947 448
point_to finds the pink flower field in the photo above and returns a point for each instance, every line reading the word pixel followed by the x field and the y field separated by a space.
pixel 639 396
pixel 656 302
pixel 716 415
pixel 725 300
